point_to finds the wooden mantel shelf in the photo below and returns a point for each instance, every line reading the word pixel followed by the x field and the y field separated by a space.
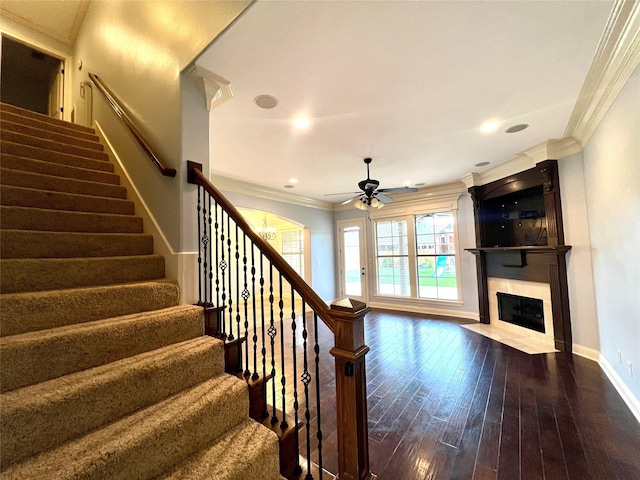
pixel 527 249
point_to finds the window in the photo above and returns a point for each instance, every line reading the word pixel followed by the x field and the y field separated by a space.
pixel 416 256
pixel 293 249
pixel 393 258
pixel 436 256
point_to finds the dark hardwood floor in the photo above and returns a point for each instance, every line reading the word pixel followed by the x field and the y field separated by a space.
pixel 447 403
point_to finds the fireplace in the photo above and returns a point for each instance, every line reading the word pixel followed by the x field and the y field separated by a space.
pixel 522 311
pixel 519 237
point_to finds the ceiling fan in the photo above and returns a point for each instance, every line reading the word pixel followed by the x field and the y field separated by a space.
pixel 371 195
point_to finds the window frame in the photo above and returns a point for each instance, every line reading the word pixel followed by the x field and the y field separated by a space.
pixel 407 211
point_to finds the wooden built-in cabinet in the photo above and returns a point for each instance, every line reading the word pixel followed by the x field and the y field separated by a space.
pixel 519 235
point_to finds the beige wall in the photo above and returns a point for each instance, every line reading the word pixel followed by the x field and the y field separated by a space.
pixel 140 49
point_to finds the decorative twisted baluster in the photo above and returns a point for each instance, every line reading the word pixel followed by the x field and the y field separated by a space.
pixel 245 296
pixel 255 375
pixel 272 335
pixel 231 337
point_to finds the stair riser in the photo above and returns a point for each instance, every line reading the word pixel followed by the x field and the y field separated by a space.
pixel 91 144
pixel 32 311
pixel 6 108
pixel 35 244
pixel 37 419
pixel 57 170
pixel 55 157
pixel 148 442
pixel 68 129
pixel 49 183
pixel 53 146
pixel 24 218
pixel 27 358
pixel 34 275
pixel 28 197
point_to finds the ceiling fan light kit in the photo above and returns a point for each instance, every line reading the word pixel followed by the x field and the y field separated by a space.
pixel 371 196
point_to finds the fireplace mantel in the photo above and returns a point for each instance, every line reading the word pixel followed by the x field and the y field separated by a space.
pixel 498 254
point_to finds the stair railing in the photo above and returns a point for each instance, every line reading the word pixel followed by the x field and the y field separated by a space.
pixel 115 105
pixel 247 290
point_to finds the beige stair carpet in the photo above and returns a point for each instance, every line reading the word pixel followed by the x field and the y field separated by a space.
pixel 103 374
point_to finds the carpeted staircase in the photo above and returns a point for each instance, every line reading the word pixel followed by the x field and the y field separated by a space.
pixel 103 374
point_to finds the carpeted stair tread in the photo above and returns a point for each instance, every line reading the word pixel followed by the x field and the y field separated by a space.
pixel 31 311
pixel 43 154
pixel 43 244
pixel 53 146
pixel 38 417
pixel 26 358
pixel 248 451
pixel 45 133
pixel 50 183
pixel 28 218
pixel 66 129
pixel 8 108
pixel 146 443
pixel 33 275
pixel 57 170
pixel 32 197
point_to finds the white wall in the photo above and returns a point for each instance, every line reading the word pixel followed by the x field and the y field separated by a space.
pixel 584 321
pixel 612 185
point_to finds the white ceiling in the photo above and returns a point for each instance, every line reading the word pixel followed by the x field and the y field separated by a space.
pixel 407 83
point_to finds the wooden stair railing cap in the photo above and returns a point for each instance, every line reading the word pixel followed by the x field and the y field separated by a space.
pixel 349 305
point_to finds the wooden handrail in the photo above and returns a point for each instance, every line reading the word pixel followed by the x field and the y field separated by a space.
pixel 108 95
pixel 196 177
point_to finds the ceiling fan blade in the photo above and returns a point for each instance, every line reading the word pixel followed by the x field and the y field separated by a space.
pixel 399 190
pixel 347 202
pixel 343 193
pixel 382 197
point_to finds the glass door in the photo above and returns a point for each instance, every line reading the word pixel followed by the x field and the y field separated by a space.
pixel 353 271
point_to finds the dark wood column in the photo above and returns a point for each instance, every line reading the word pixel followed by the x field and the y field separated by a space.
pixel 351 390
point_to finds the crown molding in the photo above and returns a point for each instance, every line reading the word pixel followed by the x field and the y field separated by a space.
pixel 217 90
pixel 227 184
pixel 616 58
pixel 551 149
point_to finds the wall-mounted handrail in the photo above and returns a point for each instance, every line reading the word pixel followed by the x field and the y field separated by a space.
pixel 115 105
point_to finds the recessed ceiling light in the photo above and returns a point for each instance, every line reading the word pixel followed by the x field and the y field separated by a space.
pixel 489 126
pixel 293 180
pixel 482 164
pixel 406 183
pixel 289 186
pixel 301 122
pixel 517 128
pixel 266 101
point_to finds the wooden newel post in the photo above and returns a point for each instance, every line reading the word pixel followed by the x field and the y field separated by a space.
pixel 351 390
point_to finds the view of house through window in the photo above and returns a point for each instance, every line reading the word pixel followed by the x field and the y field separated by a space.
pixel 416 256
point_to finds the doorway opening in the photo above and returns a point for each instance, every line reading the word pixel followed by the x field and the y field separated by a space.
pixel 31 78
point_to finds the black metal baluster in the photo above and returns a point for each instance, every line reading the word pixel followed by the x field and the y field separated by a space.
pixel 272 334
pixel 255 375
pixel 297 469
pixel 283 377
pixel 217 240
pixel 316 349
pixel 265 412
pixel 223 268
pixel 199 209
pixel 230 293
pixel 245 296
pixel 306 379
pixel 238 331
pixel 210 257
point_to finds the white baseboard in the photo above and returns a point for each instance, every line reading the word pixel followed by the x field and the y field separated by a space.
pixel 629 398
pixel 586 352
pixel 426 310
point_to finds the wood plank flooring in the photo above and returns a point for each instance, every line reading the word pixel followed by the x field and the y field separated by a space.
pixel 447 403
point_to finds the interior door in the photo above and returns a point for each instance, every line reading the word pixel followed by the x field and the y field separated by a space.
pixel 353 260
pixel 56 97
